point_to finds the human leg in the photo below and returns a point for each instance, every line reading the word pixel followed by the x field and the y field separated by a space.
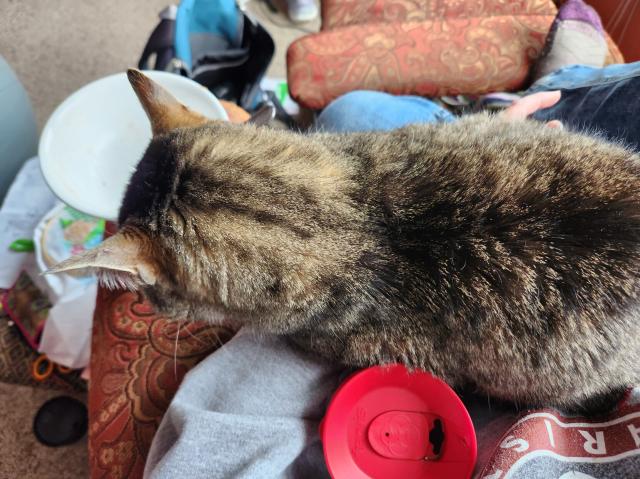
pixel 377 111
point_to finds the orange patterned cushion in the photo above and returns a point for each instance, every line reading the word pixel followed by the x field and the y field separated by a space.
pixel 428 58
pixel 138 359
pixel 340 13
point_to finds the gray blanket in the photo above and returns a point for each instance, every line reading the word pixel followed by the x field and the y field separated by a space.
pixel 250 410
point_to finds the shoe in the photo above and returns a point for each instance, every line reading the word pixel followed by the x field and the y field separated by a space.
pixel 302 10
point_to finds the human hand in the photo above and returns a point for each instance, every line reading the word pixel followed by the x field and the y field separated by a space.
pixel 527 105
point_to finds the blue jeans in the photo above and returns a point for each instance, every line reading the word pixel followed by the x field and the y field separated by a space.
pixel 365 110
pixel 601 99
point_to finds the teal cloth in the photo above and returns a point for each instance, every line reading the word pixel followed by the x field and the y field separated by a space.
pixel 215 19
pixel 18 130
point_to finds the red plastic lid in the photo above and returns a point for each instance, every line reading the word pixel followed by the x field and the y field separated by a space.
pixel 388 422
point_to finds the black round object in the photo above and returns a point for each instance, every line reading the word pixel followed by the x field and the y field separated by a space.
pixel 60 421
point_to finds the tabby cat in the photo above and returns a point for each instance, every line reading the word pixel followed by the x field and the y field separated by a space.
pixel 501 254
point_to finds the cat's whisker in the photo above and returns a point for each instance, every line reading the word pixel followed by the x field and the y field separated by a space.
pixel 219 341
pixel 195 337
pixel 175 351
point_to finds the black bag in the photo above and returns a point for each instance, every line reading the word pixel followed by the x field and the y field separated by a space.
pixel 230 68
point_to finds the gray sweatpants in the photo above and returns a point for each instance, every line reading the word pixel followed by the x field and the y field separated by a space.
pixel 250 410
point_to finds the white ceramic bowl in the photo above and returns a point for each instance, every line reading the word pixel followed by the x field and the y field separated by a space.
pixel 93 141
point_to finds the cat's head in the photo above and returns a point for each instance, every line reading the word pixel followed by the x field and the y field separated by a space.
pixel 224 218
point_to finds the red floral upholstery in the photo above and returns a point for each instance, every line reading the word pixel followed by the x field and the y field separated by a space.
pixel 423 47
pixel 138 359
pixel 429 58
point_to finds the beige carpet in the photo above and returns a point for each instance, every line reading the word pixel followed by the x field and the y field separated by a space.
pixel 21 455
pixel 55 47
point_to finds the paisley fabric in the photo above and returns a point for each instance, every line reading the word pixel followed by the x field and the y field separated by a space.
pixel 138 360
pixel 430 57
pixel 340 13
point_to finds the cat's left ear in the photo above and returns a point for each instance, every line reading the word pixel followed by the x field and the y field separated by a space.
pixel 164 111
pixel 119 261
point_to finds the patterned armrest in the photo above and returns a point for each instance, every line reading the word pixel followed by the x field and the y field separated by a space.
pixel 138 359
pixel 429 58
pixel 421 47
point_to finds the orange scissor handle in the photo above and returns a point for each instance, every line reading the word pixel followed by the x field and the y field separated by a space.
pixel 42 368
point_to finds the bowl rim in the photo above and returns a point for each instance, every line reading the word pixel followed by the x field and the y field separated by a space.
pixel 46 165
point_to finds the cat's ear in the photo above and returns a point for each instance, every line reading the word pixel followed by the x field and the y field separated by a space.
pixel 118 261
pixel 164 111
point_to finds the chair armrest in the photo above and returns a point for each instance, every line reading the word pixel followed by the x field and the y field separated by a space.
pixel 138 360
pixel 429 58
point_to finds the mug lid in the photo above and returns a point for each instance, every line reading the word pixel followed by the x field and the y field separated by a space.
pixel 389 422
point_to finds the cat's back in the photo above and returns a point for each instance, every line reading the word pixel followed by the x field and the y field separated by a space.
pixel 480 172
pixel 502 161
pixel 507 255
pixel 510 221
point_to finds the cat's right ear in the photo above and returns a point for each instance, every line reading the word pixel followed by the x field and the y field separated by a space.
pixel 119 261
pixel 164 111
